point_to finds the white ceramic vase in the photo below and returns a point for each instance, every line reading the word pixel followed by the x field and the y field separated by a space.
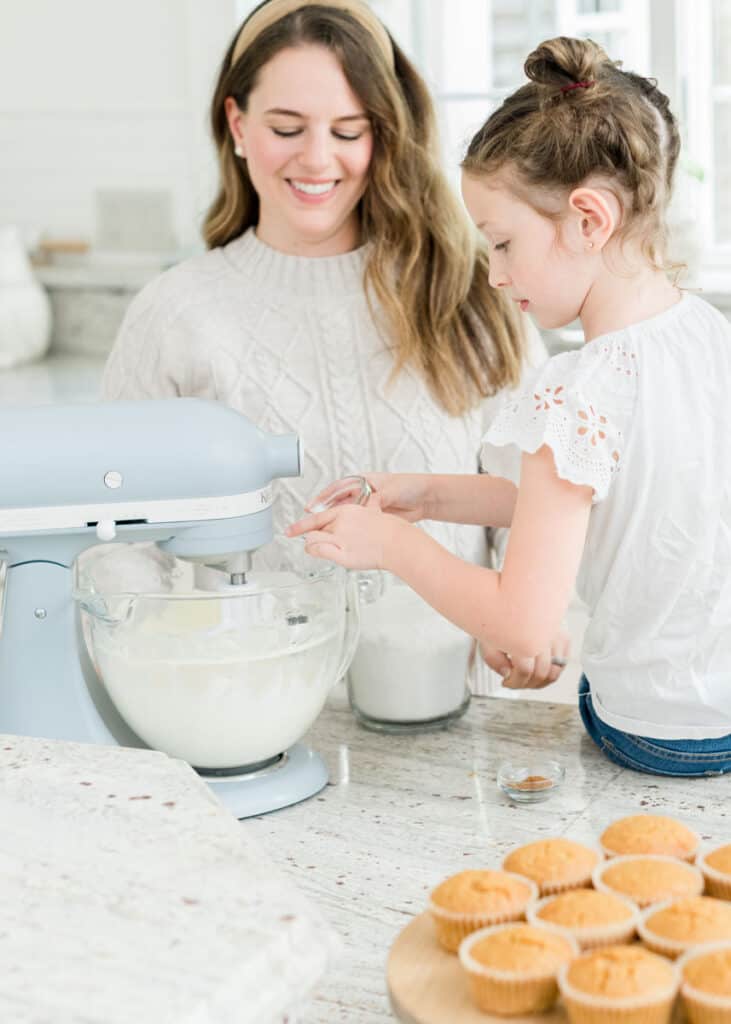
pixel 25 311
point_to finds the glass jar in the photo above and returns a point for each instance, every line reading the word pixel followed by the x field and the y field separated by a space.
pixel 410 668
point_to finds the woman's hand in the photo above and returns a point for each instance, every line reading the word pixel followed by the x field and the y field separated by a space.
pixel 530 673
pixel 405 495
pixel 354 536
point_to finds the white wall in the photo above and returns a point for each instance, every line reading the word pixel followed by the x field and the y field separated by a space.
pixel 107 94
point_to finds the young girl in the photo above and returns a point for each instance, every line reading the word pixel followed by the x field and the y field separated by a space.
pixel 626 442
pixel 344 294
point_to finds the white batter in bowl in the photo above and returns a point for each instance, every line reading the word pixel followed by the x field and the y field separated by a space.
pixel 225 679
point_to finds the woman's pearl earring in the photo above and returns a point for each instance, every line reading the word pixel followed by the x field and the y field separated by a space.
pixel 238 151
pixel 590 245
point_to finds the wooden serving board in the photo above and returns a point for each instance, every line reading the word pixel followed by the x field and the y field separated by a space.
pixel 426 985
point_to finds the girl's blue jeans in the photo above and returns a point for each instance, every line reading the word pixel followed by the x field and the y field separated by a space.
pixel 658 757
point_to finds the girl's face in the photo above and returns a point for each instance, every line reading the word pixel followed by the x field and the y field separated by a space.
pixel 307 141
pixel 540 263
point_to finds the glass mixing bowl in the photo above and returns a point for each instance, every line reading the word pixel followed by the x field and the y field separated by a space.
pixel 223 678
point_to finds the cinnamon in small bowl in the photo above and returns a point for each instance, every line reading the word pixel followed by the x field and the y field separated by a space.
pixel 530 782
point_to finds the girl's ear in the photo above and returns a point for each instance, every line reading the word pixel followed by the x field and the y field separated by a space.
pixel 235 119
pixel 597 214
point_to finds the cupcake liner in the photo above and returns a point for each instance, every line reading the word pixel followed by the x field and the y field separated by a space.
pixel 555 888
pixel 579 880
pixel 614 934
pixel 509 993
pixel 583 1008
pixel 453 926
pixel 671 948
pixel 699 1012
pixel 601 886
pixel 703 1007
pixel 718 883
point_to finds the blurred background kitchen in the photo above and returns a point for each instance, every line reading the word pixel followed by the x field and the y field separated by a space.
pixel 106 168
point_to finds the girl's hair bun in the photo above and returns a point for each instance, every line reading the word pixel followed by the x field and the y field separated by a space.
pixel 579 116
pixel 564 61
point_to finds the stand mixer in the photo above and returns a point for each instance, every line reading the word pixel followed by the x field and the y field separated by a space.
pixel 191 475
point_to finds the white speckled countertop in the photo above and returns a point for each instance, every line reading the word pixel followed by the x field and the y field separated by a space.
pixel 130 896
pixel 402 813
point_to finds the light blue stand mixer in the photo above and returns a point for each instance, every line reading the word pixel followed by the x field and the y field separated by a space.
pixel 193 476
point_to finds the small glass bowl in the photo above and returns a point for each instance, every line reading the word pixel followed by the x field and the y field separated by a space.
pixel 530 782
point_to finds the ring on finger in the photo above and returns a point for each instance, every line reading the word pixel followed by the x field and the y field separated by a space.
pixel 561 662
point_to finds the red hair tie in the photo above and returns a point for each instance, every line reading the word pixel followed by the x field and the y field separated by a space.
pixel 577 85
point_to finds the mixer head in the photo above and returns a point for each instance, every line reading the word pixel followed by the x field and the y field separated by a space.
pixel 193 475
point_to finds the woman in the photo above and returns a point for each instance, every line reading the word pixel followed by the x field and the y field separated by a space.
pixel 344 294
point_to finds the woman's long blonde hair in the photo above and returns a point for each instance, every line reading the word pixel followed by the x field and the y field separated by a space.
pixel 425 267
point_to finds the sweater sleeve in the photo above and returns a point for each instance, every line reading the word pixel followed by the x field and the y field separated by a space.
pixel 143 362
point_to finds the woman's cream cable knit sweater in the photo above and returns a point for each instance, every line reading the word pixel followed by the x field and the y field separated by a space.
pixel 291 343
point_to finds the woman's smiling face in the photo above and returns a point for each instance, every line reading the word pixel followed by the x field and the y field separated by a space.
pixel 307 141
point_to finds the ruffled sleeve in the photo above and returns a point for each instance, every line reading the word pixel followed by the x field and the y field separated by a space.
pixel 573 405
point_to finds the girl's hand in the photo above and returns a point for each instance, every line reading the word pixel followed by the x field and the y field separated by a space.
pixel 405 495
pixel 530 673
pixel 354 536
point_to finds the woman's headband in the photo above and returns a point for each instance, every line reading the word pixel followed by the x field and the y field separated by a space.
pixel 275 10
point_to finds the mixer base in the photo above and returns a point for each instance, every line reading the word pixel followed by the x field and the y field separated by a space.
pixel 298 774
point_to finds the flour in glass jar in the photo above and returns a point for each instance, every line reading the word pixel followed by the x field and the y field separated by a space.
pixel 411 663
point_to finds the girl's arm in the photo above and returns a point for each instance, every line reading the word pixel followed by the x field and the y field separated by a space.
pixel 473 498
pixel 477 499
pixel 518 610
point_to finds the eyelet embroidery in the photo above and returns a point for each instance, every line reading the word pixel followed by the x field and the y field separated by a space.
pixel 585 440
pixel 595 428
pixel 549 398
pixel 623 361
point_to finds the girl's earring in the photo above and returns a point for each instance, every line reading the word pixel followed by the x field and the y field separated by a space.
pixel 590 245
pixel 238 151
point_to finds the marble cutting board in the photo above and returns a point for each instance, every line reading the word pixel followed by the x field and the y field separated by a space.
pixel 129 893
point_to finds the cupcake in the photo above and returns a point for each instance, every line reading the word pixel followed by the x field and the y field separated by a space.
pixel 476 899
pixel 649 833
pixel 554 864
pixel 592 918
pixel 512 968
pixel 705 975
pixel 672 928
pixel 619 985
pixel 648 878
pixel 716 868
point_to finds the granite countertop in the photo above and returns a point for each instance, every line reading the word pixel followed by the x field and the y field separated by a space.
pixel 129 894
pixel 402 813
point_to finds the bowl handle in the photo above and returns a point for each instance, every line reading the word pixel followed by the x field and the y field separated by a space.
pixel 351 632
